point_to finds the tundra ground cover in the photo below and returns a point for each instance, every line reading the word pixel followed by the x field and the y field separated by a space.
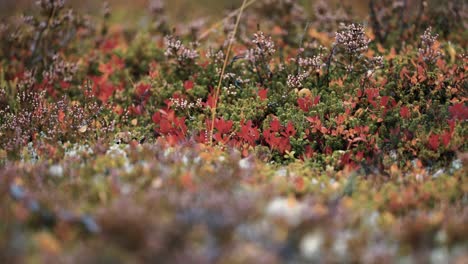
pixel 336 137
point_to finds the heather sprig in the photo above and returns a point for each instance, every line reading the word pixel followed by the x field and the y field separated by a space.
pixel 31 117
pixel 175 49
pixel 306 66
pixel 59 70
pixel 428 49
pixel 260 55
pixel 181 59
pixel 38 38
pixel 263 49
pixel 352 38
pixel 348 52
pixel 296 80
pixel 159 18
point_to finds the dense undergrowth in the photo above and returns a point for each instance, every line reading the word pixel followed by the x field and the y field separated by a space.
pixel 336 138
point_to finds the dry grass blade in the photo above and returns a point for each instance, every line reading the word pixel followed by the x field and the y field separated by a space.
pixel 218 87
pixel 219 23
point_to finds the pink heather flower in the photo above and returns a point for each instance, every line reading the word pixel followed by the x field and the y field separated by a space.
pixel 353 39
pixel 263 50
pixel 296 81
pixel 175 49
pixel 427 50
pixel 313 63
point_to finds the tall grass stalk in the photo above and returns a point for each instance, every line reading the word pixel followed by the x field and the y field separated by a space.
pixel 218 87
pixel 220 23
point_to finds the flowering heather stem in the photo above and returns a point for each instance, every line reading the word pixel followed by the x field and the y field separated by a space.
pixel 381 36
pixel 38 38
pixel 213 110
pixel 328 64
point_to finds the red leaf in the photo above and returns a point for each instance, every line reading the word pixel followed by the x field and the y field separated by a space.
pixel 305 103
pixel 434 142
pixel 156 117
pixel 136 110
pixel 290 130
pixel 210 102
pixel 263 93
pixel 275 125
pixel 109 45
pixel 202 137
pixel 459 111
pixel 384 101
pixel 340 119
pixel 188 85
pixel 284 145
pixel 308 152
pixel 142 89
pixel 359 155
pixel 64 85
pixel 170 125
pixel 345 159
pixel 316 99
pixel 404 112
pixel 452 124
pixel 371 94
pixel 61 116
pixel 118 109
pixel 446 138
pixel 105 91
pixel 312 119
pixel 164 126
pixel 404 73
pixel 421 73
pixel 223 126
pixel 249 133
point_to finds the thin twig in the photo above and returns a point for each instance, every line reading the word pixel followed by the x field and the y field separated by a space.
pixel 419 17
pixel 401 23
pixel 218 88
pixel 376 23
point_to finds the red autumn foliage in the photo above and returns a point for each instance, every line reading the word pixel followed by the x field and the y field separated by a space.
pixel 459 111
pixel 263 93
pixel 308 152
pixel 434 141
pixel 210 101
pixel 188 85
pixel 223 126
pixel 404 112
pixel 277 136
pixel 142 91
pixel 109 44
pixel 372 94
pixel 248 133
pixel 102 88
pixel 169 125
pixel 306 103
pixel 446 137
pixel 223 130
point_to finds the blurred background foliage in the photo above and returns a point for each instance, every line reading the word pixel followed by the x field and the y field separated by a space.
pixel 124 10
